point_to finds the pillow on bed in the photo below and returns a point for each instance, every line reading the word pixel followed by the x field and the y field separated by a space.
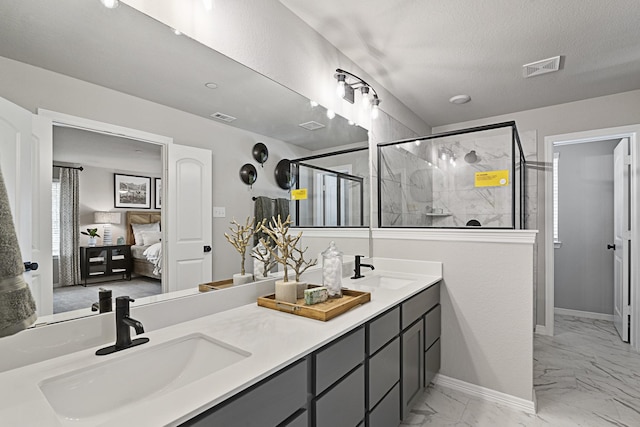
pixel 139 228
pixel 151 237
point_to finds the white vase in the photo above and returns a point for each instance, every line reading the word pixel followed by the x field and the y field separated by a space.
pixel 287 291
pixel 241 279
pixel 92 241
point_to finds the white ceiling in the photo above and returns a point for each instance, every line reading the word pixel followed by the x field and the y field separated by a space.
pixel 426 51
pixel 128 51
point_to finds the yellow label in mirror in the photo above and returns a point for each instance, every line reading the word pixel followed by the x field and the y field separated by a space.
pixel 299 194
pixel 492 178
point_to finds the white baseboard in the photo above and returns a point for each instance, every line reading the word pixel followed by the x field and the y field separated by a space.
pixel 528 406
pixel 587 314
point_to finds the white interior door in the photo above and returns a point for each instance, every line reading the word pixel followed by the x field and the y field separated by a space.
pixel 188 205
pixel 621 301
pixel 26 147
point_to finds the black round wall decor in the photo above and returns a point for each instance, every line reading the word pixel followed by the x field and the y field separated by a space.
pixel 284 178
pixel 248 174
pixel 260 153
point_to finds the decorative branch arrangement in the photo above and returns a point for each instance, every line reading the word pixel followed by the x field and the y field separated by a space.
pixel 241 236
pixel 285 250
pixel 299 264
pixel 262 254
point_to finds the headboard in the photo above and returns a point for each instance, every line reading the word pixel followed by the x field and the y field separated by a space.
pixel 139 217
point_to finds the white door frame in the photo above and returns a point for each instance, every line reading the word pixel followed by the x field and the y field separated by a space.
pixel 633 133
pixel 67 120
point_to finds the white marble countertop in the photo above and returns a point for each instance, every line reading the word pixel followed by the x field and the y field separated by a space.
pixel 274 339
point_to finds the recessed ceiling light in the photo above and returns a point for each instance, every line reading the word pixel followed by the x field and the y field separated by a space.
pixel 110 4
pixel 211 85
pixel 460 99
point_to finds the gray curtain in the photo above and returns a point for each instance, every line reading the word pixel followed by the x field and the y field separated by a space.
pixel 69 228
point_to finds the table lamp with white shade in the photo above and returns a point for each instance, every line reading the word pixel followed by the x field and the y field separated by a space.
pixel 106 218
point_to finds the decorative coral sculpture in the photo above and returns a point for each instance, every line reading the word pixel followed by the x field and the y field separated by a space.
pixel 241 236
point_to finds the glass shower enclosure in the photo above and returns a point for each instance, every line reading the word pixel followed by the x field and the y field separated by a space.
pixel 470 178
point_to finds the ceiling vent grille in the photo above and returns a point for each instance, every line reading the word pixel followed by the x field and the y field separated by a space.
pixel 224 117
pixel 311 125
pixel 545 66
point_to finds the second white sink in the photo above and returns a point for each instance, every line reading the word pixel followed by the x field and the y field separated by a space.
pixel 129 378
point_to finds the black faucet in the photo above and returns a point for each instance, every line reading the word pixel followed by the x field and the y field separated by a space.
pixel 124 323
pixel 104 303
pixel 357 274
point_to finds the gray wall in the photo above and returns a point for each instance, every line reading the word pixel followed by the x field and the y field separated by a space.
pixel 583 272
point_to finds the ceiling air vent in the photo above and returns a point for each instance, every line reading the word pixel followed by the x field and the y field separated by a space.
pixel 224 117
pixel 311 125
pixel 545 66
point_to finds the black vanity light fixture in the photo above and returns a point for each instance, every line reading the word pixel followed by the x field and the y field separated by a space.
pixel 347 85
pixel 260 153
pixel 248 174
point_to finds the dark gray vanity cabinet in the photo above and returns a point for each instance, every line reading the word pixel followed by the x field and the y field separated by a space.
pixel 339 382
pixel 420 340
pixel 383 369
pixel 273 402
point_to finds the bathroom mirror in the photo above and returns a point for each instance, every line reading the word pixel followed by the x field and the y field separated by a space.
pixel 126 51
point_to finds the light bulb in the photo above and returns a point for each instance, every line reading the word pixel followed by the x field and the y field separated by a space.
pixel 176 32
pixel 313 103
pixel 451 160
pixel 366 97
pixel 110 4
pixel 330 114
pixel 453 163
pixel 444 156
pixel 375 111
pixel 352 123
pixel 340 90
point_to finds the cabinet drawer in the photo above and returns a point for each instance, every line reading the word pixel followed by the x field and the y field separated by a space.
pixel 432 362
pixel 384 371
pixel 269 404
pixel 337 359
pixel 383 329
pixel 419 304
pixel 343 405
pixel 432 326
pixel 387 413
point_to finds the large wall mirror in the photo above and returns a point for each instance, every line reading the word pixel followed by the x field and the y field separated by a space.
pixel 122 67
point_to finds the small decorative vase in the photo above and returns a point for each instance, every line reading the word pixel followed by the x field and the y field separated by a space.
pixel 287 291
pixel 92 241
pixel 241 279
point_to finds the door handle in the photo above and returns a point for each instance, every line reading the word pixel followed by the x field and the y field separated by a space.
pixel 207 248
pixel 611 247
pixel 30 266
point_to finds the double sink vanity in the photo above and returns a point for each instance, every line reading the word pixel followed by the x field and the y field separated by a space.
pixel 253 366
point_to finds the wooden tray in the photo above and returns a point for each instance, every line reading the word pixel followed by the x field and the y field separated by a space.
pixel 323 311
pixel 213 286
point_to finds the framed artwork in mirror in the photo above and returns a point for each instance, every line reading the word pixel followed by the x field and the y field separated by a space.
pixel 132 191
pixel 158 193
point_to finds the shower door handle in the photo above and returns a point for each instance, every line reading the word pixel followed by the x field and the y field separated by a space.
pixel 611 247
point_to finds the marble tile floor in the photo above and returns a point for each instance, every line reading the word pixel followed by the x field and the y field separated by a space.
pixel 583 376
pixel 77 297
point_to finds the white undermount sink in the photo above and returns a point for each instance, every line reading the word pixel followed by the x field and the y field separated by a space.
pixel 382 281
pixel 144 374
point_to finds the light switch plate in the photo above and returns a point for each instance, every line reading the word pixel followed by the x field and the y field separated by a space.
pixel 219 212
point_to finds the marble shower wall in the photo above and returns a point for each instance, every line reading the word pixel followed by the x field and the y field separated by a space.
pixel 419 188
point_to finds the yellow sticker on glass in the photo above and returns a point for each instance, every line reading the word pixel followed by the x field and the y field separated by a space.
pixel 492 178
pixel 300 194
